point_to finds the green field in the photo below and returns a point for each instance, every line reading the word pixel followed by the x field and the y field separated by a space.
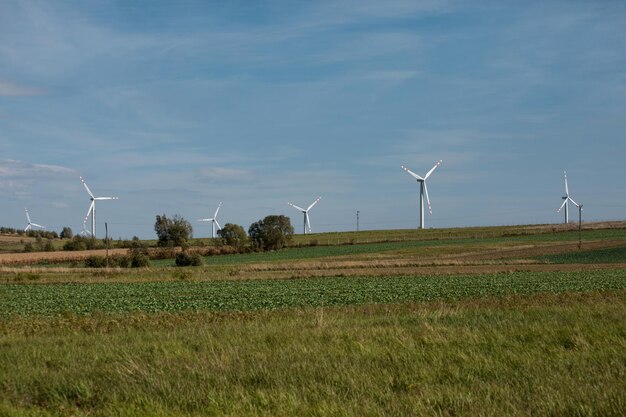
pixel 510 321
pixel 156 297
pixel 609 255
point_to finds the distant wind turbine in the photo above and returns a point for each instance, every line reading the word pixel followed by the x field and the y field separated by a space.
pixel 92 208
pixel 307 222
pixel 567 199
pixel 30 224
pixel 213 221
pixel 423 189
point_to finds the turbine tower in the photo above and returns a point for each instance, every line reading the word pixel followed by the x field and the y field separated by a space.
pixel 213 221
pixel 30 224
pixel 423 189
pixel 92 208
pixel 567 199
pixel 306 213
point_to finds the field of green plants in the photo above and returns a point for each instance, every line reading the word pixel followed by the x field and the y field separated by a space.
pixel 608 255
pixel 58 299
pixel 501 321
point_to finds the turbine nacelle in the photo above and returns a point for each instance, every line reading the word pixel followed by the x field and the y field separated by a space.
pixel 30 224
pixel 423 188
pixel 566 199
pixel 213 221
pixel 307 221
pixel 92 208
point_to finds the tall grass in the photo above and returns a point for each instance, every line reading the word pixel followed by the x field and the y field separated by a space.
pixel 556 355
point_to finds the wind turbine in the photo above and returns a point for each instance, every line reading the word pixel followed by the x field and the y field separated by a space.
pixel 92 208
pixel 306 213
pixel 567 199
pixel 423 189
pixel 213 221
pixel 30 224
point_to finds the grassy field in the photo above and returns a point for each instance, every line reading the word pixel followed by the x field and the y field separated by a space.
pixel 510 321
pixel 552 355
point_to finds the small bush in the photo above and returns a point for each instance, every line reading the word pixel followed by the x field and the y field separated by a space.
pixel 115 261
pixel 139 260
pixel 188 259
pixel 29 247
pixel 163 253
pixel 95 261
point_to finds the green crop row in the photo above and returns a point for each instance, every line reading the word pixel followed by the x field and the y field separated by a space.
pixel 55 299
pixel 608 255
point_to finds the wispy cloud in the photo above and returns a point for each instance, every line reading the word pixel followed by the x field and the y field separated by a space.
pixel 8 89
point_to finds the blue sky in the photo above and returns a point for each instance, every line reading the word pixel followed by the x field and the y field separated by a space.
pixel 175 106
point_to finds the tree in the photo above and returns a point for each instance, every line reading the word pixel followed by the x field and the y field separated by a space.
pixel 273 232
pixel 234 235
pixel 172 232
pixel 67 233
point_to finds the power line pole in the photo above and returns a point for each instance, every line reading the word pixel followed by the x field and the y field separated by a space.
pixel 580 226
pixel 357 220
pixel 106 239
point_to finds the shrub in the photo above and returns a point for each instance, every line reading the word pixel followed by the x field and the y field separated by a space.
pixel 139 259
pixel 233 235
pixel 95 261
pixel 188 259
pixel 115 261
pixel 163 253
pixel 273 232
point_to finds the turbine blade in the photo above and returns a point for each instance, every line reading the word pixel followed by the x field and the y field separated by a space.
pixel 297 207
pixel 314 203
pixel 427 199
pixel 308 222
pixel 562 205
pixel 86 187
pixel 566 188
pixel 570 199
pixel 91 206
pixel 218 225
pixel 204 220
pixel 106 198
pixel 432 169
pixel 38 225
pixel 27 215
pixel 218 209
pixel 27 228
pixel 411 173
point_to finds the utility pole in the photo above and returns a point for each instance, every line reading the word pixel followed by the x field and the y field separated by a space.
pixel 106 240
pixel 357 220
pixel 580 226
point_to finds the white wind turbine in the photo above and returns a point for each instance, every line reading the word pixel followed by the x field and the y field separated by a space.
pixel 30 224
pixel 423 189
pixel 92 208
pixel 213 221
pixel 567 199
pixel 306 213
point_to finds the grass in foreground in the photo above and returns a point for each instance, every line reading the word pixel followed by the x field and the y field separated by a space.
pixel 557 355
pixel 153 297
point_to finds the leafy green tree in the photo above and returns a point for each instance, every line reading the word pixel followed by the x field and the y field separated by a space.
pixel 175 231
pixel 66 233
pixel 233 235
pixel 273 232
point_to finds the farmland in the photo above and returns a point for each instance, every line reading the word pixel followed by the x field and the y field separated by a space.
pixel 480 321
